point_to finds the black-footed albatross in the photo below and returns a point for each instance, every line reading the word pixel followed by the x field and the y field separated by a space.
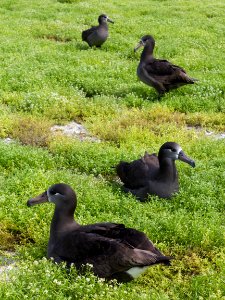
pixel 116 252
pixel 97 35
pixel 152 174
pixel 159 73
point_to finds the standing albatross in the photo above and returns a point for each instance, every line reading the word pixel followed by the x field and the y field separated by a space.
pixel 97 35
pixel 116 252
pixel 159 73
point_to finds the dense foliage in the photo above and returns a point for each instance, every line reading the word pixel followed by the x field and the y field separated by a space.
pixel 49 76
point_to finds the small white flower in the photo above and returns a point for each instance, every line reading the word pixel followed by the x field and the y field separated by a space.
pixel 57 282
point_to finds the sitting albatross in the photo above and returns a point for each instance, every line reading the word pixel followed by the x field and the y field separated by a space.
pixel 152 174
pixel 116 252
pixel 158 73
pixel 97 35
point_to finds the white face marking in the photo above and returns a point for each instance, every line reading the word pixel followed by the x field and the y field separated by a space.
pixel 48 194
pixel 51 197
pixel 178 152
pixel 136 271
pixel 172 154
pixel 179 149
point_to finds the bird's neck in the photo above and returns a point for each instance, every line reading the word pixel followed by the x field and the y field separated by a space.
pixel 147 53
pixel 62 221
pixel 104 24
pixel 168 169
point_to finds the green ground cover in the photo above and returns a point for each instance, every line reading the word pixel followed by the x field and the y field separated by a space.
pixel 49 76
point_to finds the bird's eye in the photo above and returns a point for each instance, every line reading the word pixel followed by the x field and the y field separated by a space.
pixel 54 192
pixel 174 150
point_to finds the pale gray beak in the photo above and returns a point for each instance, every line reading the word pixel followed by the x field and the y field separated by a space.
pixel 182 156
pixel 109 20
pixel 139 45
pixel 39 199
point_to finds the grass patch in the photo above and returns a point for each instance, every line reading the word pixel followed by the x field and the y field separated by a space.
pixel 31 131
pixel 56 38
pixel 49 76
pixel 11 238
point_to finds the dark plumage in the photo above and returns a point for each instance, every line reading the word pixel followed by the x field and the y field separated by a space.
pixel 152 174
pixel 158 73
pixel 116 252
pixel 97 35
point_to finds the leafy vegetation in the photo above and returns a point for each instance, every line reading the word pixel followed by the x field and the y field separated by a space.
pixel 49 76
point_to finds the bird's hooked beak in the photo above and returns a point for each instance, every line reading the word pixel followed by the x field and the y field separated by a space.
pixel 139 45
pixel 109 20
pixel 39 199
pixel 183 157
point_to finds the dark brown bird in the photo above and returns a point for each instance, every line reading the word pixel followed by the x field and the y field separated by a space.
pixel 158 73
pixel 152 174
pixel 97 35
pixel 116 252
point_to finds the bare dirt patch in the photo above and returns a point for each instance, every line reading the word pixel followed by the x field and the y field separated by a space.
pixel 208 133
pixel 56 38
pixel 75 130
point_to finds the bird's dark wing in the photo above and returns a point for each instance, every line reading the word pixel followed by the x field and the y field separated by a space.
pixel 161 67
pixel 151 160
pixel 88 32
pixel 164 76
pixel 136 173
pixel 108 256
pixel 127 236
